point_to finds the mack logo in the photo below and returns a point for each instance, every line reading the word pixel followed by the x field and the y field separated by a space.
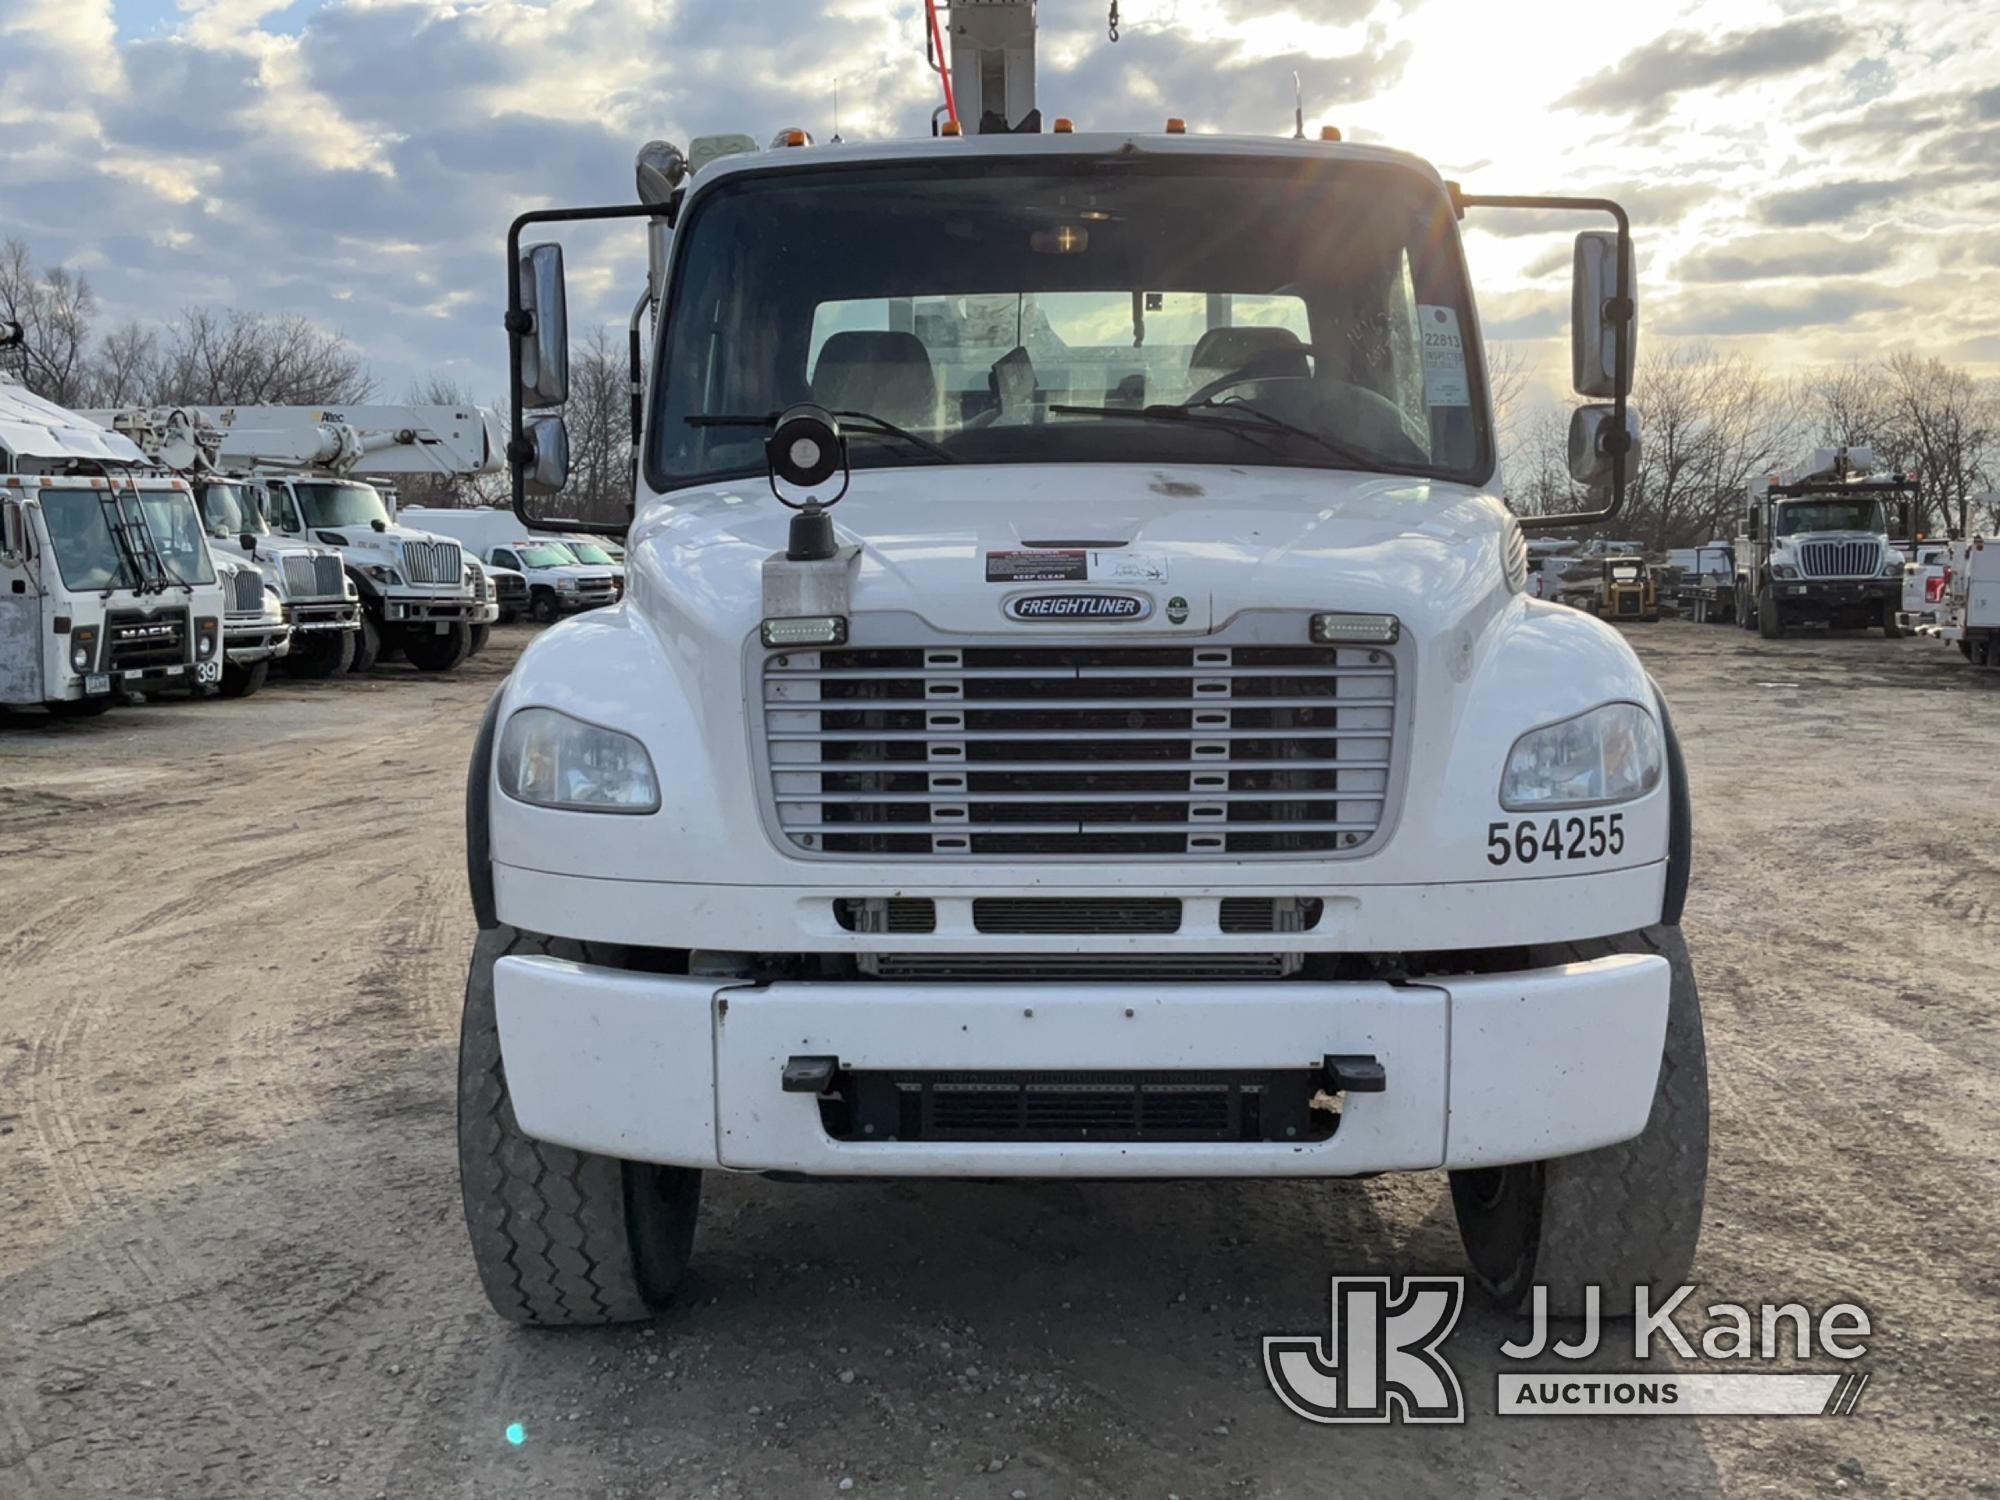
pixel 1079 607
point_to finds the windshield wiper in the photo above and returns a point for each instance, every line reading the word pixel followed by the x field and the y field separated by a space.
pixel 1250 425
pixel 876 427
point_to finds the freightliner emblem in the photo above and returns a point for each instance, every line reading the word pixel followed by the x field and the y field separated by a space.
pixel 1037 607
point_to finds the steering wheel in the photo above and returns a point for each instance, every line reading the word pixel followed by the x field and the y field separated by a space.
pixel 1256 367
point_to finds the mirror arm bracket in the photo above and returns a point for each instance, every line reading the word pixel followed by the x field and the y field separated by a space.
pixel 520 325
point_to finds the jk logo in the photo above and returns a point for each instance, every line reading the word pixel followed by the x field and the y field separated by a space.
pixel 1380 1362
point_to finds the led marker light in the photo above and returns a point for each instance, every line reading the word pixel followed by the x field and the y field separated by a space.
pixel 806 630
pixel 1369 630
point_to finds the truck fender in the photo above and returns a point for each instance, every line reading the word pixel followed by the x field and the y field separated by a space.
pixel 1680 818
pixel 478 810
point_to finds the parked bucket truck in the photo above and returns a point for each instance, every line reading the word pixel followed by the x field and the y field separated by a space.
pixel 1814 546
pixel 1076 714
pixel 314 466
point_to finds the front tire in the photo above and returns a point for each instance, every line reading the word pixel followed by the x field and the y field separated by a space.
pixel 430 652
pixel 561 1238
pixel 320 654
pixel 1619 1217
pixel 545 609
pixel 367 644
pixel 481 634
pixel 1770 622
pixel 243 682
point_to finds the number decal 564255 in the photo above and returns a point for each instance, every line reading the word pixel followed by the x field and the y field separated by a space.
pixel 1529 839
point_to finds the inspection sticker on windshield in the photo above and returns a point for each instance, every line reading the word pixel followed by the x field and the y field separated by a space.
pixel 1075 565
pixel 1445 382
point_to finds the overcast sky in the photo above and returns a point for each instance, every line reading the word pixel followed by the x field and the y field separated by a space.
pixel 1816 180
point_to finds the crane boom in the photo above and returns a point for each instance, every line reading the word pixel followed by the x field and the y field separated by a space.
pixel 388 442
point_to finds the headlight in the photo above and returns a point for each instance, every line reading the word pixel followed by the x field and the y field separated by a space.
pixel 1893 568
pixel 274 607
pixel 382 573
pixel 1611 754
pixel 1783 570
pixel 566 585
pixel 548 759
pixel 79 658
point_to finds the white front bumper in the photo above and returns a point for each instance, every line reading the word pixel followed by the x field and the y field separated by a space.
pixel 1481 1069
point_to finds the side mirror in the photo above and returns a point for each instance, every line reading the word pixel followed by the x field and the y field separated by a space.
pixel 13 531
pixel 1592 438
pixel 548 468
pixel 1596 315
pixel 247 541
pixel 545 339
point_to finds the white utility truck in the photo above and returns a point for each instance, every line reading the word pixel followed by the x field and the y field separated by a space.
pixel 1926 578
pixel 106 582
pixel 1153 767
pixel 321 606
pixel 1813 546
pixel 559 583
pixel 1970 617
pixel 314 466
pixel 255 632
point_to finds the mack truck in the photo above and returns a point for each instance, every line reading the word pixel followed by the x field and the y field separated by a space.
pixel 1076 713
pixel 320 606
pixel 107 587
pixel 418 595
pixel 1814 545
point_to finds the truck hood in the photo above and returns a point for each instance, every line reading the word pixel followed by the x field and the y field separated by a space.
pixel 1204 542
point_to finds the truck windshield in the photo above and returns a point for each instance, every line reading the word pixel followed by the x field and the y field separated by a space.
pixel 546 555
pixel 340 503
pixel 177 535
pixel 80 536
pixel 590 552
pixel 232 509
pixel 1831 514
pixel 967 305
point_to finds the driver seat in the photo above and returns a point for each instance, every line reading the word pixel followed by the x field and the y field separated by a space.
pixel 1223 351
pixel 880 371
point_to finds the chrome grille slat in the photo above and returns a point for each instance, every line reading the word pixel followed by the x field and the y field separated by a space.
pixel 1031 751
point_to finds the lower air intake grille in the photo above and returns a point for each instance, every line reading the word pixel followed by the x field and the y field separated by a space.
pixel 1083 1106
pixel 886 913
pixel 1084 966
pixel 1089 751
pixel 1000 914
pixel 1271 913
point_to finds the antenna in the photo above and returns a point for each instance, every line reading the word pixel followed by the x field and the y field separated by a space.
pixel 1298 108
pixel 836 116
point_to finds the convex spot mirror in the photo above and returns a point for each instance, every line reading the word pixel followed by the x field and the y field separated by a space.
pixel 13 531
pixel 545 342
pixel 548 466
pixel 1593 329
pixel 1591 461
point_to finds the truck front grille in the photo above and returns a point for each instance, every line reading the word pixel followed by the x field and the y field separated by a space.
pixel 247 594
pixel 1840 559
pixel 135 639
pixel 433 562
pixel 315 578
pixel 1087 751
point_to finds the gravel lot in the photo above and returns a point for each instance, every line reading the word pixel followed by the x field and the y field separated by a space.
pixel 232 937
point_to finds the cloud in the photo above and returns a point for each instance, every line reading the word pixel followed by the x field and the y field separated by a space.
pixel 1781 256
pixel 1776 310
pixel 1836 202
pixel 1644 81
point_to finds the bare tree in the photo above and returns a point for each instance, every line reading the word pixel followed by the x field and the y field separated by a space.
pixel 600 429
pixel 224 357
pixel 54 309
pixel 1712 422
pixel 125 370
pixel 1950 428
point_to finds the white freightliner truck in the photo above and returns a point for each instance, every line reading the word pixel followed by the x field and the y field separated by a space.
pixel 417 593
pixel 1813 546
pixel 1153 767
pixel 320 605
pixel 106 584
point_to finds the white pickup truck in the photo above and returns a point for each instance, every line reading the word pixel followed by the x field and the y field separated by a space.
pixel 1152 767
pixel 559 582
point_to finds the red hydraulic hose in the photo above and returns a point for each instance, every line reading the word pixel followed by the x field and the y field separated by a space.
pixel 943 63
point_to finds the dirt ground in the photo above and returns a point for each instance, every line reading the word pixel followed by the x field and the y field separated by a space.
pixel 232 938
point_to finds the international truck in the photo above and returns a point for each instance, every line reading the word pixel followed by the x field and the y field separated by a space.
pixel 320 603
pixel 255 632
pixel 107 587
pixel 558 581
pixel 1813 546
pixel 1076 714
pixel 315 466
